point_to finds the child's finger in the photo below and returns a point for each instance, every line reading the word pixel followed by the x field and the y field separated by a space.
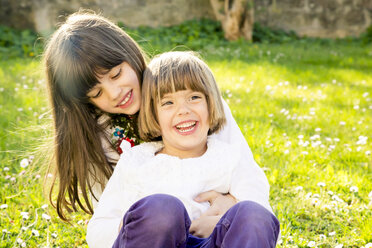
pixel 208 196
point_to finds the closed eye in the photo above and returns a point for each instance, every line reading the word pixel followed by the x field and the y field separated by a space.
pixel 117 74
pixel 99 92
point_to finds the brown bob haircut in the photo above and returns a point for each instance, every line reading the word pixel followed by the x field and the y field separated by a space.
pixel 171 72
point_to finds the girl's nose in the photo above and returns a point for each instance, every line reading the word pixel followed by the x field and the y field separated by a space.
pixel 183 109
pixel 113 91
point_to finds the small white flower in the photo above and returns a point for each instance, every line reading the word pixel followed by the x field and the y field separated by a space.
pixel 311 244
pixel 44 206
pixel 308 195
pixel 322 237
pixel 336 139
pixel 339 246
pixel 6 169
pixel 19 241
pixel 37 176
pixel 356 107
pixel 362 140
pixel 354 189
pixel 318 129
pixel 54 235
pixel 3 206
pixel 300 136
pixel 24 228
pixel 336 198
pixel 298 188
pixel 45 216
pixel 35 233
pixel 342 123
pixel 314 137
pixel 12 179
pixel 24 163
pixel 332 234
pixel 329 192
pixel 365 94
pixel 5 231
pixel 25 215
pixel 369 245
pixel 23 244
pixel 315 202
pixel 316 196
pixel 368 153
pixel 50 175
pixel 321 184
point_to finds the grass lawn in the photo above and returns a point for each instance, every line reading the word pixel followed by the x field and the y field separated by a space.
pixel 305 109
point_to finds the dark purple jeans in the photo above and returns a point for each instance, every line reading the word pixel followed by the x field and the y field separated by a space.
pixel 161 221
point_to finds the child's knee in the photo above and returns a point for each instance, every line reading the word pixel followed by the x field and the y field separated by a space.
pixel 253 214
pixel 161 213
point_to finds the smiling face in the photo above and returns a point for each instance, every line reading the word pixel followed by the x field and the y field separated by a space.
pixel 184 123
pixel 118 91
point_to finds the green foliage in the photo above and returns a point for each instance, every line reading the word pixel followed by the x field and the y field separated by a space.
pixel 367 35
pixel 268 35
pixel 191 35
pixel 16 43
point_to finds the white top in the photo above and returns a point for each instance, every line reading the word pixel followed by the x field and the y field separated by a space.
pixel 140 173
pixel 230 134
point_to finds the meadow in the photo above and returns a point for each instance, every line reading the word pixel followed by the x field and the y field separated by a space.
pixel 303 105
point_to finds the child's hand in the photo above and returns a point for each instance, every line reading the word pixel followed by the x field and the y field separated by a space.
pixel 219 203
pixel 203 227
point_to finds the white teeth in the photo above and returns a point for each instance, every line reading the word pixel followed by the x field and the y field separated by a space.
pixel 186 124
pixel 185 130
pixel 126 99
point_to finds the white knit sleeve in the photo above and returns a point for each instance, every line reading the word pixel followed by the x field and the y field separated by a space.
pixel 249 182
pixel 103 227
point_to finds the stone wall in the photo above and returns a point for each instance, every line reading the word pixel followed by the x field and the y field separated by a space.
pixel 321 18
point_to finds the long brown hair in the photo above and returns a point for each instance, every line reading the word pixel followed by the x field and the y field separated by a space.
pixel 85 45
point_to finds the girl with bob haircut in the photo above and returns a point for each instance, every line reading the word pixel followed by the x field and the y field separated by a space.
pixel 149 197
pixel 171 73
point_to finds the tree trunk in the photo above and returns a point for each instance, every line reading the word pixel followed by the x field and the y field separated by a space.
pixel 236 17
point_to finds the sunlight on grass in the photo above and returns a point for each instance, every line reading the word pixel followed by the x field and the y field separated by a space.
pixel 305 110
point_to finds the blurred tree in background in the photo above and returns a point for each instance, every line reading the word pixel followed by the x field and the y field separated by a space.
pixel 236 17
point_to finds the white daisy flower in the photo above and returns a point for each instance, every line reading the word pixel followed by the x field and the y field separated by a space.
pixel 311 244
pixel 24 163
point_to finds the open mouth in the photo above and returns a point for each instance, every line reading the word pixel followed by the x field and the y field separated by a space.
pixel 186 127
pixel 126 101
